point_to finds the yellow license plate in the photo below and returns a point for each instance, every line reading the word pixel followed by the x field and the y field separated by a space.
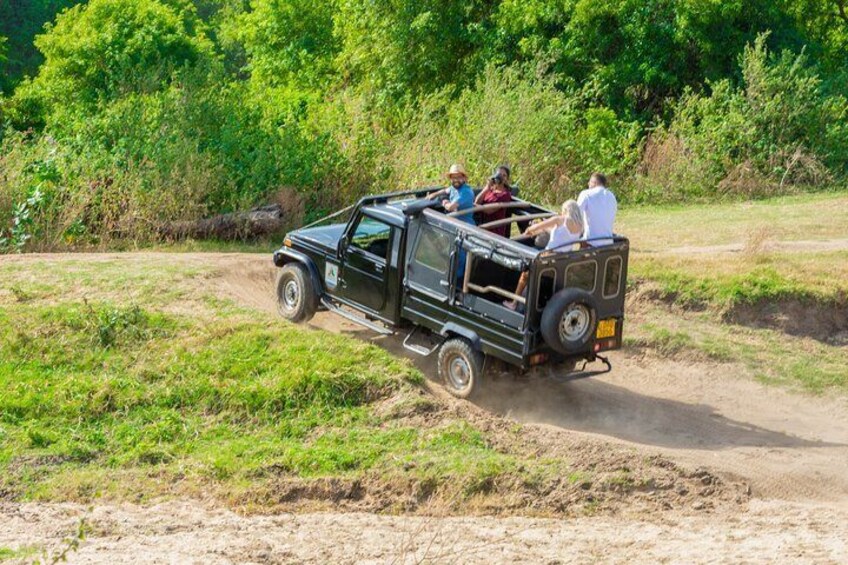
pixel 606 328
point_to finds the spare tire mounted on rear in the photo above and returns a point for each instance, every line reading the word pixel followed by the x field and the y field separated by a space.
pixel 569 321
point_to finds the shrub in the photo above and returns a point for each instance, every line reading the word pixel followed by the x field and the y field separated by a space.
pixel 780 129
pixel 549 137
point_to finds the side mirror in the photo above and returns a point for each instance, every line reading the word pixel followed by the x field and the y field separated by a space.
pixel 342 246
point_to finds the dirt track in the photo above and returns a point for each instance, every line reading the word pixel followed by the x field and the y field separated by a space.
pixel 791 448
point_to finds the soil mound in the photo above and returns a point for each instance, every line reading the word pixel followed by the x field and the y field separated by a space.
pixel 825 321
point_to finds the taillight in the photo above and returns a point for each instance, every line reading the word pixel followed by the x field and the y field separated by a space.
pixel 605 344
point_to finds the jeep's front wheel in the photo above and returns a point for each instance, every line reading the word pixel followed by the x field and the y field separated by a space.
pixel 296 298
pixel 460 367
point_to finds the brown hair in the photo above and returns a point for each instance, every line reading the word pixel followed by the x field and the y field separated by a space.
pixel 600 178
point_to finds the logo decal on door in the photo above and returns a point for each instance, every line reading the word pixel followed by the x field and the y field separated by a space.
pixel 331 275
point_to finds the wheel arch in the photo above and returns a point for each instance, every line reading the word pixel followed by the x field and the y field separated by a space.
pixel 283 257
pixel 452 329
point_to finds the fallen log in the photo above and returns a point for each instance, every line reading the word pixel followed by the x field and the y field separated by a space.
pixel 260 221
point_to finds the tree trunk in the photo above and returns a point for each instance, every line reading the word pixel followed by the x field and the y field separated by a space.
pixel 237 225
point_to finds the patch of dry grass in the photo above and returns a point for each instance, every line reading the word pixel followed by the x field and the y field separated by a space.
pixel 803 217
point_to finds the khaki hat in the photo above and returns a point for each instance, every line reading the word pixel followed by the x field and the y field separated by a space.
pixel 457 169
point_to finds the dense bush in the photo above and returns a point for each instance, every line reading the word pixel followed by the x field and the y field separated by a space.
pixel 107 49
pixel 552 140
pixel 778 129
pixel 129 114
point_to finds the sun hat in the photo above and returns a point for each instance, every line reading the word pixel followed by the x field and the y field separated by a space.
pixel 457 169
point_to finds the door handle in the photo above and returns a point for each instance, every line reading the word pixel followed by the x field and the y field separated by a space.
pixel 444 283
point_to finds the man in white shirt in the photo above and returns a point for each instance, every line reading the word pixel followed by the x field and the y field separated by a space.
pixel 599 206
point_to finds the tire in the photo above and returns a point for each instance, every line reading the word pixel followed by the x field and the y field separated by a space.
pixel 569 321
pixel 460 367
pixel 296 298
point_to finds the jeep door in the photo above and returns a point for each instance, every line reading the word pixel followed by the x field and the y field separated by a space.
pixel 427 272
pixel 363 269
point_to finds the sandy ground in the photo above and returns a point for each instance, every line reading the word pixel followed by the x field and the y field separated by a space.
pixel 791 448
pixel 186 532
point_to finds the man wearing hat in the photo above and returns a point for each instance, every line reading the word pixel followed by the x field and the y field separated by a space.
pixel 459 194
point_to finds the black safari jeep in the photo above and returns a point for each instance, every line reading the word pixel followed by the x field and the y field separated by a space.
pixel 399 262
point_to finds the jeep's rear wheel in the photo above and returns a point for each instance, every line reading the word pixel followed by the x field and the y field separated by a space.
pixel 569 321
pixel 460 367
pixel 296 298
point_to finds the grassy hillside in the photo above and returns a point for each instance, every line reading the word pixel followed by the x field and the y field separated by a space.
pixel 169 389
pixel 131 378
pixel 797 217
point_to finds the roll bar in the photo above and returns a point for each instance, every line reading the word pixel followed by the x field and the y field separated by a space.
pixel 587 242
pixel 523 218
pixel 487 207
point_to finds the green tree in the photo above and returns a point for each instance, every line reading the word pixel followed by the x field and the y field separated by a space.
pixel 20 21
pixel 402 48
pixel 638 55
pixel 106 49
pixel 288 42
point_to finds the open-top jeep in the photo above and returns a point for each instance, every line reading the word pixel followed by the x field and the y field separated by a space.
pixel 399 262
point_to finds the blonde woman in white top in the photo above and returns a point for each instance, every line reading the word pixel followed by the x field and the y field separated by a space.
pixel 565 229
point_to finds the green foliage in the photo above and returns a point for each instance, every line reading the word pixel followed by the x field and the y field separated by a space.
pixel 155 111
pixel 21 553
pixel 637 55
pixel 289 44
pixel 402 48
pixel 505 117
pixel 22 222
pixel 779 128
pixel 105 49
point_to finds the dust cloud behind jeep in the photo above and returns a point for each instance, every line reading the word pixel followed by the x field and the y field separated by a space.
pixel 398 262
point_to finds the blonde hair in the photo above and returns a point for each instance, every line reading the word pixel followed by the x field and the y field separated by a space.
pixel 571 213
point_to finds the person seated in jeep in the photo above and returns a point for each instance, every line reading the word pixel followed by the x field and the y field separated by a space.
pixel 564 230
pixel 457 196
pixel 496 191
pixel 506 173
pixel 598 205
